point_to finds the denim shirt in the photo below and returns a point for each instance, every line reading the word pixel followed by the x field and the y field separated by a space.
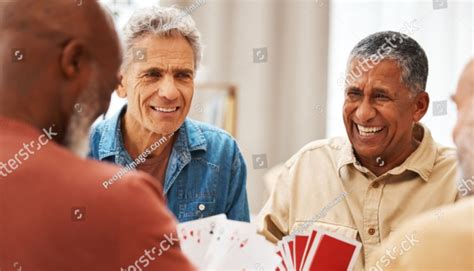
pixel 206 173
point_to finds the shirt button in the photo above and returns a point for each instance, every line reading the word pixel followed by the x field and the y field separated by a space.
pixel 202 207
pixel 371 231
pixel 335 146
pixel 375 185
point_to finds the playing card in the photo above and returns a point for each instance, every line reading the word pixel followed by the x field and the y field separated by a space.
pixel 215 243
pixel 333 252
pixel 257 254
pixel 299 246
pixel 309 245
pixel 228 234
pixel 287 245
pixel 281 265
pixel 195 236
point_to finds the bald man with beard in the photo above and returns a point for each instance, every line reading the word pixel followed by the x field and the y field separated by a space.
pixel 58 66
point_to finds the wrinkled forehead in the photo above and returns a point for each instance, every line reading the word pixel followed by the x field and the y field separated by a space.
pixel 164 52
pixel 363 71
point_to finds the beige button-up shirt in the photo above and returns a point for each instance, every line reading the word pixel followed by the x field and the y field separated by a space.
pixel 324 186
pixel 442 239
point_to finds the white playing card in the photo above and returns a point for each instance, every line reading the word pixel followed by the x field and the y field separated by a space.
pixel 195 236
pixel 229 233
pixel 287 252
pixel 215 243
pixel 256 254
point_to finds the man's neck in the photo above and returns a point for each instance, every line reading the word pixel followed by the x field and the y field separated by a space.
pixel 382 164
pixel 137 138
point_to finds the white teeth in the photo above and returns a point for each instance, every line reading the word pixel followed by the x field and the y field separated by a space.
pixel 166 110
pixel 365 131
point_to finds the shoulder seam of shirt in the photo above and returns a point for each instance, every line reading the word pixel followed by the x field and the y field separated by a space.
pixel 312 146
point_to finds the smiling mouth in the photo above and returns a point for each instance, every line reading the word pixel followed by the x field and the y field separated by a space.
pixel 367 131
pixel 164 109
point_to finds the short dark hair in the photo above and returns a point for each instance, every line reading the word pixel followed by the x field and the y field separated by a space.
pixel 407 52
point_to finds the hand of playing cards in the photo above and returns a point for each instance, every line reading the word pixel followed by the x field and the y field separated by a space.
pixel 215 243
pixel 320 250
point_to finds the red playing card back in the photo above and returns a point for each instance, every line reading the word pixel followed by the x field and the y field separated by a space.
pixel 332 254
pixel 299 248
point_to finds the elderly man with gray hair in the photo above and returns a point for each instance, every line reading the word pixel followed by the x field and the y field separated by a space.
pixel 389 169
pixel 199 166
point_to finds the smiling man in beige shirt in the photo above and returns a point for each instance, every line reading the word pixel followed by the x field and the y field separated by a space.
pixel 389 170
pixel 444 237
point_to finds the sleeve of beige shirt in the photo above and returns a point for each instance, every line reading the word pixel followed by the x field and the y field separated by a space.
pixel 273 218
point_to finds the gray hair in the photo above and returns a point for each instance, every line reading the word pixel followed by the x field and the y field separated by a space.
pixel 406 51
pixel 163 22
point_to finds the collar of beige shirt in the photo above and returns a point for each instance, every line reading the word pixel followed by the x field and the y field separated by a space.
pixel 421 161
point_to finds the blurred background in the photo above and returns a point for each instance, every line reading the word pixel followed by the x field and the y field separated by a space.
pixel 272 71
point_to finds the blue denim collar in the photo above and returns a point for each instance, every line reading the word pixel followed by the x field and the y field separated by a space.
pixel 190 139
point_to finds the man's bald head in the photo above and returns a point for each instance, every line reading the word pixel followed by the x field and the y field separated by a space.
pixel 50 52
pixel 463 133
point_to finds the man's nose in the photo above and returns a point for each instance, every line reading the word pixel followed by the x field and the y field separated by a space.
pixel 365 111
pixel 167 89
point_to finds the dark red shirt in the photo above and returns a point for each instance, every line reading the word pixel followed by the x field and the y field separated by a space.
pixel 56 215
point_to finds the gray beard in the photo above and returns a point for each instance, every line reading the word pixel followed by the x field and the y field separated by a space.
pixel 77 135
pixel 77 131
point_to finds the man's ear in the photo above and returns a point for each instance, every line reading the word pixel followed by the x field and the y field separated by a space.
pixel 122 87
pixel 72 58
pixel 422 102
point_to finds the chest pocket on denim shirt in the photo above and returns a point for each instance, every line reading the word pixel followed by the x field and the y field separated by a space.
pixel 197 190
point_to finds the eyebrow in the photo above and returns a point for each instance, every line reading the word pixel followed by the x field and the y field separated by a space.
pixel 161 70
pixel 352 88
pixel 381 90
